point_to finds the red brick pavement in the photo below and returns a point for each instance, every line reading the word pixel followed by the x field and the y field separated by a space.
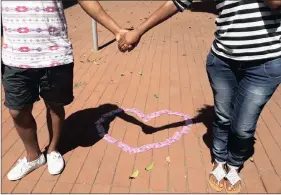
pixel 171 59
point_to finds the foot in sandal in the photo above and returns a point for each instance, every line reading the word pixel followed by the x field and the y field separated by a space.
pixel 232 183
pixel 217 176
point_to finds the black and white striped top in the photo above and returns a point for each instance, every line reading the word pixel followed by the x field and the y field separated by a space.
pixel 246 29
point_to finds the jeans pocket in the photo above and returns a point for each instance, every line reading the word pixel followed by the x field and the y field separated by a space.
pixel 273 68
pixel 210 59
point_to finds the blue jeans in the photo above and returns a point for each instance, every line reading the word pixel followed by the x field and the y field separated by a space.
pixel 240 90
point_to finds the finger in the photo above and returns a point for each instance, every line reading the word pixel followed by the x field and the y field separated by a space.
pixel 130 48
pixel 124 48
pixel 120 48
pixel 122 41
pixel 121 44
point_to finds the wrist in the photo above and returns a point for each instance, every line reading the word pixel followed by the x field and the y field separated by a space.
pixel 140 30
pixel 117 31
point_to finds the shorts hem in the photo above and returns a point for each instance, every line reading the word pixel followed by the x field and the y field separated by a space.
pixel 59 103
pixel 18 107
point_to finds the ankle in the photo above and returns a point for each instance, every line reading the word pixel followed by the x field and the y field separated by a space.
pixel 33 156
pixel 219 162
pixel 230 167
pixel 51 149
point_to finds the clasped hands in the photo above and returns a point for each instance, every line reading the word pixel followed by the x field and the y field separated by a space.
pixel 128 39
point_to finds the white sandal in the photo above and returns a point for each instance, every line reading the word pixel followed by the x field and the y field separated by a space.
pixel 233 177
pixel 219 173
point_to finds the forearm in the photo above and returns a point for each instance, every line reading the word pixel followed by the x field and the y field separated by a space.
pixel 273 4
pixel 96 11
pixel 163 13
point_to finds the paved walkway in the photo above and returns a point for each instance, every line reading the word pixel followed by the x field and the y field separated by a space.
pixel 166 71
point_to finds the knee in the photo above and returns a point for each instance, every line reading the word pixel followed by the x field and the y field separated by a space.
pixel 243 131
pixel 223 113
pixel 222 118
pixel 21 116
pixel 16 114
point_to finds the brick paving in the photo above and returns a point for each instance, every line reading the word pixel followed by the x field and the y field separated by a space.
pixel 171 59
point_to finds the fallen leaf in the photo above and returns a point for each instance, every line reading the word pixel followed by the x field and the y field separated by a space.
pixel 135 174
pixel 156 96
pixel 122 74
pixel 141 73
pixel 168 159
pixel 95 62
pixel 149 167
pixel 252 159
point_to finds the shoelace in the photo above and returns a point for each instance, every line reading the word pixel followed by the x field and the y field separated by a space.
pixel 24 165
pixel 233 177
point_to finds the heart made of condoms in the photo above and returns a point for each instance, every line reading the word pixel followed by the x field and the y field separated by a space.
pixel 133 150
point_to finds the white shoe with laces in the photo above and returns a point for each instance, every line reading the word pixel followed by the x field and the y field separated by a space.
pixel 55 163
pixel 22 168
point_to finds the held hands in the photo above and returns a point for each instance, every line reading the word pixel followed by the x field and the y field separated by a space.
pixel 128 40
pixel 120 34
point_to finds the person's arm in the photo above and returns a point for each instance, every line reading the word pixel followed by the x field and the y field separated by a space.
pixel 96 11
pixel 273 4
pixel 166 11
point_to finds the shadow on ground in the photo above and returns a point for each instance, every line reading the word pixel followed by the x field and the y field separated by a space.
pixel 80 131
pixel 206 115
pixel 79 128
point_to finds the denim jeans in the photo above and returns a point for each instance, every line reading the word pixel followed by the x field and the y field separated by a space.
pixel 241 90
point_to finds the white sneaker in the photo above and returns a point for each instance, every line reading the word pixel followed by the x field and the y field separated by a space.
pixel 55 163
pixel 22 168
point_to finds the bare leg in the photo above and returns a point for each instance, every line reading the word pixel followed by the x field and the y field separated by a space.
pixel 26 128
pixel 55 118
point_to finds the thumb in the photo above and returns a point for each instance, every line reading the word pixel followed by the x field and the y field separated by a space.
pixel 118 37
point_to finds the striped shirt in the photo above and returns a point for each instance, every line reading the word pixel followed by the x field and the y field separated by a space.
pixel 246 29
pixel 35 34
